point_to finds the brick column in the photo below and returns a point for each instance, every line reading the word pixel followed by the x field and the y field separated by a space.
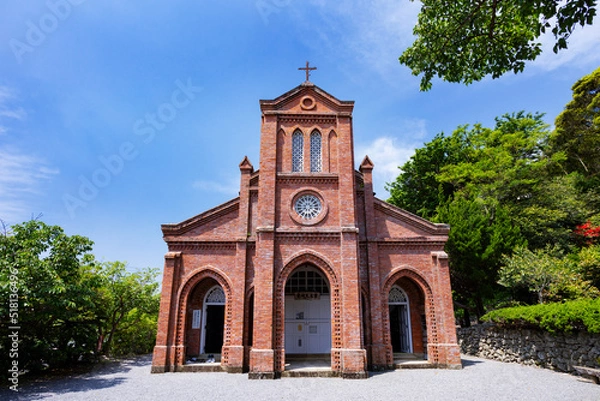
pixel 262 355
pixel 353 357
pixel 377 346
pixel 447 347
pixel 163 359
pixel 234 349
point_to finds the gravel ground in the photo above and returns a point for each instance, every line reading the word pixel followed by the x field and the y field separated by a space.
pixel 479 379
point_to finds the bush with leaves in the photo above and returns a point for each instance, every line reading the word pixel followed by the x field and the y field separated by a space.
pixel 578 315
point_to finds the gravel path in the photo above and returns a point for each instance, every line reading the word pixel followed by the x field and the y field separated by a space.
pixel 480 379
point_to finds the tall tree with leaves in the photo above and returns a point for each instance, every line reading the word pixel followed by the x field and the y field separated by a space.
pixel 417 188
pixel 576 139
pixel 52 273
pixel 129 300
pixel 478 238
pixel 492 186
pixel 68 306
pixel 464 40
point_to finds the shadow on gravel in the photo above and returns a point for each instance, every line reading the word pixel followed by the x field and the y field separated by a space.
pixel 75 385
pixel 469 362
pixel 38 388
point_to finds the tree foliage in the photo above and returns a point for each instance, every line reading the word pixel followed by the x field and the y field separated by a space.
pixel 547 273
pixel 464 41
pixel 57 297
pixel 478 238
pixel 128 301
pixel 502 189
pixel 65 301
pixel 577 134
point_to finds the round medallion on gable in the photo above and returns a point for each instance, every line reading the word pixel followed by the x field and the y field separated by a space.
pixel 307 207
pixel 308 103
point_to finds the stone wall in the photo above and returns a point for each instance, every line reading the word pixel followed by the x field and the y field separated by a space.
pixel 531 347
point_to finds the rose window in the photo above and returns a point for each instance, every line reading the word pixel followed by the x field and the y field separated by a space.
pixel 308 207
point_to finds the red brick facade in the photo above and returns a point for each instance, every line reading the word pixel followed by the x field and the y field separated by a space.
pixel 251 246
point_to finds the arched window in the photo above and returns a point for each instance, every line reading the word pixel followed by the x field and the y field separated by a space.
pixel 297 152
pixel 316 164
pixel 306 279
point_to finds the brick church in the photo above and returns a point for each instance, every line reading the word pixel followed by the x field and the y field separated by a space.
pixel 306 261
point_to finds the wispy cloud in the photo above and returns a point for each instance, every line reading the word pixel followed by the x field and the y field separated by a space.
pixel 17 114
pixel 583 50
pixel 371 33
pixel 388 153
pixel 21 176
pixel 7 111
pixel 226 187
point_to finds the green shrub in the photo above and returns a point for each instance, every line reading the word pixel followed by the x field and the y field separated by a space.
pixel 578 315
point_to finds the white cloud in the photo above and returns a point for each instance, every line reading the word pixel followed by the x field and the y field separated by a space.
pixel 7 111
pixel 227 187
pixel 17 114
pixel 583 49
pixel 388 153
pixel 373 34
pixel 21 176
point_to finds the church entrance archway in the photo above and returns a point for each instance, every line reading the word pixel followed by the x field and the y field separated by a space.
pixel 400 327
pixel 307 312
pixel 213 321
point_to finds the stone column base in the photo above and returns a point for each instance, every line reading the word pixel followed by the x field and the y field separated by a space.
pixel 353 363
pixel 447 355
pixel 262 362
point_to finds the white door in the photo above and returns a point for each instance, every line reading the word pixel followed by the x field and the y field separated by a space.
pixel 307 325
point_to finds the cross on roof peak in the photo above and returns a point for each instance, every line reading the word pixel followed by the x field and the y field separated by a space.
pixel 307 69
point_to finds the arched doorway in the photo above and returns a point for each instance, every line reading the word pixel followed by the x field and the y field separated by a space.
pixel 213 321
pixel 307 312
pixel 400 327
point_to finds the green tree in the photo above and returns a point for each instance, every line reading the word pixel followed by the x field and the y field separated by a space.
pixel 547 273
pixel 495 188
pixel 575 142
pixel 550 212
pixel 478 238
pixel 417 188
pixel 68 306
pixel 464 40
pixel 128 307
pixel 52 273
pixel 588 261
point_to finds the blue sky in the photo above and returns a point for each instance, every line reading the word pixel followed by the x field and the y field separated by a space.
pixel 117 116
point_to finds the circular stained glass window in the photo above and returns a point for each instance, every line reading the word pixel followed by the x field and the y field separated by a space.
pixel 308 207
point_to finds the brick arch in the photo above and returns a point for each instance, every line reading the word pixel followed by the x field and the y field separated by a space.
pixel 183 295
pixel 307 256
pixel 322 264
pixel 430 314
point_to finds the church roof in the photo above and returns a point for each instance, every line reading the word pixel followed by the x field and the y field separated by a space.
pixel 304 90
pixel 202 218
pixel 411 219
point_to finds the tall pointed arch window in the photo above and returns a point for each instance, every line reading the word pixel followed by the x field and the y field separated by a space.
pixel 297 152
pixel 316 163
